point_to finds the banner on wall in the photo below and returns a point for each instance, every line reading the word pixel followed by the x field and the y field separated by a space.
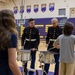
pixel 15 10
pixel 21 9
pixel 36 7
pixel 28 8
pixel 51 6
pixel 43 7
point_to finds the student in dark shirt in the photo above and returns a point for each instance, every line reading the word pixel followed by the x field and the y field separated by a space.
pixel 8 44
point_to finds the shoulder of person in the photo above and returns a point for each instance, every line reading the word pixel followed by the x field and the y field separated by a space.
pixel 36 28
pixel 60 36
pixel 50 27
pixel 13 35
pixel 26 28
pixel 73 36
pixel 59 27
pixel 13 41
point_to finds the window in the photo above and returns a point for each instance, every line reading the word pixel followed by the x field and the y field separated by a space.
pixel 62 11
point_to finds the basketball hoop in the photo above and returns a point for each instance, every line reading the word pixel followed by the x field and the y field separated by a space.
pixel 21 22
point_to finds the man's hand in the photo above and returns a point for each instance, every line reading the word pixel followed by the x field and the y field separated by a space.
pixel 33 49
pixel 56 46
pixel 47 45
pixel 22 47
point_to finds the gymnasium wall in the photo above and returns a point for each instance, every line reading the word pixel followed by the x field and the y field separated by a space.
pixel 42 19
pixel 59 4
pixel 43 23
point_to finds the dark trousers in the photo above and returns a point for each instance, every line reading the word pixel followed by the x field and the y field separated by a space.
pixel 46 66
pixel 33 58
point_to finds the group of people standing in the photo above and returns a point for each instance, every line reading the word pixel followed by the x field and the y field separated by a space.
pixel 61 39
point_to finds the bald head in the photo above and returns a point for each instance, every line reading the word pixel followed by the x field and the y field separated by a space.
pixel 54 22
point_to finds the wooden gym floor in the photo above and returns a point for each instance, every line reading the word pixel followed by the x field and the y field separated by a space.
pixel 42 46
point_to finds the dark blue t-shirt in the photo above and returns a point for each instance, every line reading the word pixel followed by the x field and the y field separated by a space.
pixel 12 44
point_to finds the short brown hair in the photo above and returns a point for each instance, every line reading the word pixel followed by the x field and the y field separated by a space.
pixel 68 28
pixel 31 19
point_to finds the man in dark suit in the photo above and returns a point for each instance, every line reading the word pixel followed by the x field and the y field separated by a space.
pixel 31 38
pixel 52 34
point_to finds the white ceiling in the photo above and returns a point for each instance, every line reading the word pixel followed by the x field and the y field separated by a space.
pixel 5 1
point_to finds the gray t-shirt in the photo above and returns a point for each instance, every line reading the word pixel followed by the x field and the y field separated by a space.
pixel 66 44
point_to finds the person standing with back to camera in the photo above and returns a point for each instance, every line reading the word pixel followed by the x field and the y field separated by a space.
pixel 52 34
pixel 66 43
pixel 8 44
